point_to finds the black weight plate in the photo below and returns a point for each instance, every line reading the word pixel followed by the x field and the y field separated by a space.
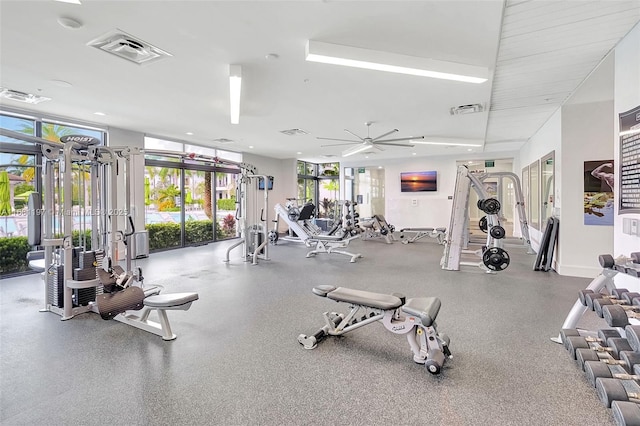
pixel 491 206
pixel 483 224
pixel 495 258
pixel 497 232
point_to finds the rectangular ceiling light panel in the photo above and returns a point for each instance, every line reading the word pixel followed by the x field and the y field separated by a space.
pixel 336 54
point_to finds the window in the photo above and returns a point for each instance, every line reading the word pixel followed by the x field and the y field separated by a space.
pixel 183 196
pixel 547 186
pixel 17 124
pixel 534 194
pixel 20 161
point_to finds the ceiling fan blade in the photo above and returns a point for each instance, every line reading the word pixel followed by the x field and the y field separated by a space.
pixel 342 144
pixel 386 134
pixel 402 139
pixel 351 133
pixel 393 144
pixel 377 147
pixel 342 140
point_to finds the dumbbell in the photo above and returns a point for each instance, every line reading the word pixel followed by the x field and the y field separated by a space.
pixel 577 342
pixel 589 296
pixel 616 346
pixel 603 335
pixel 610 390
pixel 595 369
pixel 607 261
pixel 618 316
pixel 628 359
pixel 583 293
pixel 629 301
pixel 625 413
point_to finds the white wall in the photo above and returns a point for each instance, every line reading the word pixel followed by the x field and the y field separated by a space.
pixel 285 180
pixel 433 209
pixel 586 135
pixel 627 96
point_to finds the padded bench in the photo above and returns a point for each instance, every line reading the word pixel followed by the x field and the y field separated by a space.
pixel 429 347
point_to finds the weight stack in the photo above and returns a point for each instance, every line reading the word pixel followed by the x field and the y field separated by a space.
pixel 99 254
pixel 86 259
pixel 55 283
pixel 82 296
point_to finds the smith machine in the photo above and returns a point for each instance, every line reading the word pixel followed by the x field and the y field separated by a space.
pixel 493 256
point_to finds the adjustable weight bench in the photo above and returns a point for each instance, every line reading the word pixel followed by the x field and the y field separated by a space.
pixel 414 317
pixel 331 244
pixel 438 233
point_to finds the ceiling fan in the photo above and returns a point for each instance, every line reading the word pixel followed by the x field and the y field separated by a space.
pixel 369 142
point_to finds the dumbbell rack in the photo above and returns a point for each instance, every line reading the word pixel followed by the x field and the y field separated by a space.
pixel 601 282
pixel 610 357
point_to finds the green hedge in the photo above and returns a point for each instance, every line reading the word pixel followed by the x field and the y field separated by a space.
pixel 226 204
pixel 75 236
pixel 198 231
pixel 13 255
pixel 163 235
pixel 167 235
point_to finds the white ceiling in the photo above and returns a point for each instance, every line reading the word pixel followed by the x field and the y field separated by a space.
pixel 538 53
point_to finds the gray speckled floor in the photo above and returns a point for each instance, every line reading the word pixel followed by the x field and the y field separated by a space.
pixel 237 362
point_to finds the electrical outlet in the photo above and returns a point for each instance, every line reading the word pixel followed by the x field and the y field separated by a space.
pixel 634 227
pixel 414 202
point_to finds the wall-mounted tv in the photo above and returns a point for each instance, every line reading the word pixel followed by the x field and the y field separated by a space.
pixel 261 183
pixel 419 181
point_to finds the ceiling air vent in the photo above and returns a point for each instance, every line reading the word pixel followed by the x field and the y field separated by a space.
pixel 15 95
pixel 466 109
pixel 291 132
pixel 128 47
pixel 222 141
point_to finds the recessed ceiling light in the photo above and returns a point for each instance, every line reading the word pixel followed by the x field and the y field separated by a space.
pixel 469 162
pixel 69 23
pixel 271 56
pixel 298 152
pixel 379 167
pixel 189 133
pixel 366 156
pixel 469 149
pixel 99 113
pixel 250 146
pixel 69 1
pixel 414 153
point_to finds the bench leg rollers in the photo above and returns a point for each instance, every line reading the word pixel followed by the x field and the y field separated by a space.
pixel 435 361
pixel 310 342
